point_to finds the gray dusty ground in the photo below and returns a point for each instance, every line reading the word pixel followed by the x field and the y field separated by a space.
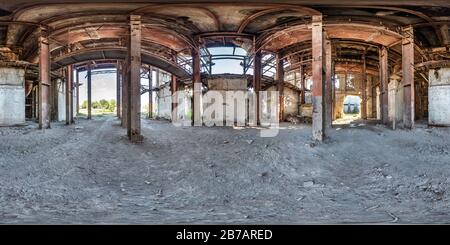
pixel 90 173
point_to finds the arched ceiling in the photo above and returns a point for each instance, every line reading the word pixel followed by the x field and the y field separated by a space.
pixel 174 28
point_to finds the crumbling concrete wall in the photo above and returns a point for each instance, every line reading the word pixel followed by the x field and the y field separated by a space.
pixel 164 109
pixel 439 97
pixel 12 96
pixel 291 102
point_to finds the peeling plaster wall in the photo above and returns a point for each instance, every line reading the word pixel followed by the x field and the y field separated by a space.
pixel 395 98
pixel 164 103
pixel 12 96
pixel 291 102
pixel 439 97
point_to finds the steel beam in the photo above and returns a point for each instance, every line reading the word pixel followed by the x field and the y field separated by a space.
pixel 89 92
pixel 384 81
pixel 134 110
pixel 44 83
pixel 408 76
pixel 197 89
pixel 280 86
pixel 328 84
pixel 318 78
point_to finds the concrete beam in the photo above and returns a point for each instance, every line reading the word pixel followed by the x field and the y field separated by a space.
pixel 44 83
pixel 408 76
pixel 134 109
pixel 384 81
pixel 318 78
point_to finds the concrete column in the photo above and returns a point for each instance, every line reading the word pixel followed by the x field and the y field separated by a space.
pixel 318 78
pixel 174 89
pixel 257 74
pixel 89 92
pixel 328 84
pixel 124 89
pixel 69 95
pixel 384 81
pixel 78 91
pixel 150 92
pixel 302 84
pixel 118 89
pixel 44 83
pixel 364 89
pixel 280 86
pixel 197 89
pixel 134 110
pixel 439 97
pixel 12 96
pixel 408 76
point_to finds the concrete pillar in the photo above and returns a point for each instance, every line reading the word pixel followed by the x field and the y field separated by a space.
pixel 408 76
pixel 328 84
pixel 12 96
pixel 280 86
pixel 439 97
pixel 89 91
pixel 134 109
pixel 302 84
pixel 174 89
pixel 318 78
pixel 384 81
pixel 197 92
pixel 69 95
pixel 257 74
pixel 118 89
pixel 44 83
pixel 125 89
pixel 78 91
pixel 364 89
pixel 150 92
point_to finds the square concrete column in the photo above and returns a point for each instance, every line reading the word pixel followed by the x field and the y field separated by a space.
pixel 134 107
pixel 280 86
pixel 302 84
pixel 328 84
pixel 118 88
pixel 150 92
pixel 174 89
pixel 44 83
pixel 89 91
pixel 364 89
pixel 125 78
pixel 408 76
pixel 69 95
pixel 197 88
pixel 318 77
pixel 384 81
pixel 257 74
pixel 77 85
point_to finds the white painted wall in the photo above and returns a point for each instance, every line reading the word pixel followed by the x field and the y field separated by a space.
pixel 439 97
pixel 12 96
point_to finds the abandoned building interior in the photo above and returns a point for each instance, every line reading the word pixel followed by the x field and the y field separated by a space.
pixel 387 63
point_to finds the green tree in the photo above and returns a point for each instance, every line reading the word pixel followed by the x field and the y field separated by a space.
pixel 84 105
pixel 112 105
pixel 96 105
pixel 104 104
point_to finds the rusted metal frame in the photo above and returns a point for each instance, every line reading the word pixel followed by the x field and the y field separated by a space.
pixel 69 95
pixel 197 88
pixel 408 77
pixel 89 91
pixel 384 81
pixel 134 86
pixel 280 86
pixel 318 76
pixel 364 89
pixel 44 81
pixel 328 89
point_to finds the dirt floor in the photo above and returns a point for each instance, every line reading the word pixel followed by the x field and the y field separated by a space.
pixel 90 173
